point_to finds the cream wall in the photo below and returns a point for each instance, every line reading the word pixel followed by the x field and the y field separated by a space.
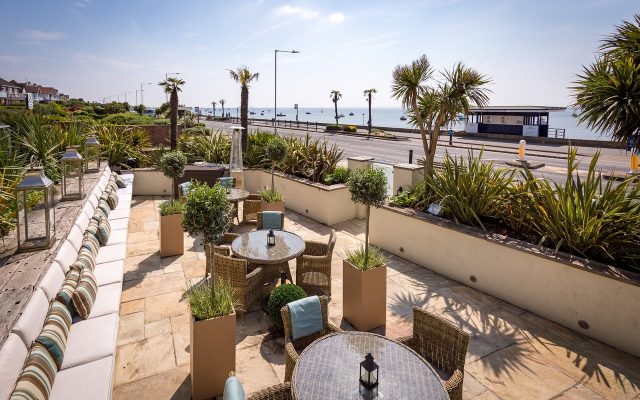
pixel 549 288
pixel 150 182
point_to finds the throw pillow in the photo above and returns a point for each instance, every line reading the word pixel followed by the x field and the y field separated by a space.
pixel 92 229
pixel 84 260
pixel 56 331
pixel 85 293
pixel 120 182
pixel 37 376
pixel 66 292
pixel 104 230
pixel 112 200
pixel 104 206
pixel 112 187
pixel 90 244
pixel 100 213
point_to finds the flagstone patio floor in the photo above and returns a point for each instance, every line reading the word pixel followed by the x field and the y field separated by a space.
pixel 513 354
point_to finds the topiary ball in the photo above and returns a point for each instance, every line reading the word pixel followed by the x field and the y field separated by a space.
pixel 280 297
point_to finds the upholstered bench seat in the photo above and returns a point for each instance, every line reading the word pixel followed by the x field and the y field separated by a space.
pixel 110 253
pixel 90 340
pixel 119 224
pixel 117 236
pixel 111 272
pixel 93 380
pixel 107 302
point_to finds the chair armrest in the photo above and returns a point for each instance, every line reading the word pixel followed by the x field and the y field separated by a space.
pixel 406 340
pixel 291 351
pixel 256 274
pixel 454 381
pixel 332 328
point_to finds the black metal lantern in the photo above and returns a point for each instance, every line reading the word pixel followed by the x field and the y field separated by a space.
pixel 271 238
pixel 369 372
pixel 91 154
pixel 35 211
pixel 71 165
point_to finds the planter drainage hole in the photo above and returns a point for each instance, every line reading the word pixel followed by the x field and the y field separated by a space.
pixel 583 324
pixel 473 278
pixel 401 249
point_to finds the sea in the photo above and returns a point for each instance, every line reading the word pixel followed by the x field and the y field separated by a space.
pixel 390 117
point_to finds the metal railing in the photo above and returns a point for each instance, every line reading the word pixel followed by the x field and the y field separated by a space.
pixel 557 132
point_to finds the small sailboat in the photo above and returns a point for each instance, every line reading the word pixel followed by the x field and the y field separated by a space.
pixel 308 113
pixel 280 115
pixel 403 118
pixel 252 113
pixel 262 113
pixel 351 114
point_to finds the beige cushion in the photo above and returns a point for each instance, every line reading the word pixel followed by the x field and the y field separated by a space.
pixel 66 256
pixel 30 323
pixel 75 237
pixel 117 236
pixel 82 221
pixel 93 381
pixel 108 273
pixel 93 198
pixel 111 253
pixel 13 354
pixel 91 340
pixel 88 209
pixel 52 280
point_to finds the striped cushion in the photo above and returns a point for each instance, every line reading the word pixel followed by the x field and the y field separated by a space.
pixel 112 200
pixel 112 187
pixel 85 260
pixel 104 230
pixel 120 182
pixel 90 243
pixel 56 331
pixel 92 229
pixel 85 294
pixel 69 286
pixel 38 374
pixel 104 206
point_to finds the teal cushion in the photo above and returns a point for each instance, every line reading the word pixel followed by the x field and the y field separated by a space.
pixel 272 220
pixel 56 331
pixel 104 230
pixel 36 380
pixel 233 389
pixel 227 182
pixel 184 188
pixel 120 182
pixel 306 317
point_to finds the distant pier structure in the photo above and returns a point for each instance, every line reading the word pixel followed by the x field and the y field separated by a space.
pixel 531 121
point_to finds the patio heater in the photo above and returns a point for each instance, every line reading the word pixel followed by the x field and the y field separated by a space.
pixel 35 211
pixel 235 160
pixel 91 154
pixel 71 165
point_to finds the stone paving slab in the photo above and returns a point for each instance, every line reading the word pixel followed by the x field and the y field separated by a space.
pixel 513 354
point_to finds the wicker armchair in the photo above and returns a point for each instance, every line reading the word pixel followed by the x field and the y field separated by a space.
pixel 313 267
pixel 293 348
pixel 250 207
pixel 222 247
pixel 443 345
pixel 277 392
pixel 261 224
pixel 247 285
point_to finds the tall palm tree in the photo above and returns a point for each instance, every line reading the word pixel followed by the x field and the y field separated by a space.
pixel 222 105
pixel 213 104
pixel 173 86
pixel 244 77
pixel 432 107
pixel 608 91
pixel 368 93
pixel 335 96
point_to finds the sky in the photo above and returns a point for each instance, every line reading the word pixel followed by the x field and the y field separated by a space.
pixel 101 49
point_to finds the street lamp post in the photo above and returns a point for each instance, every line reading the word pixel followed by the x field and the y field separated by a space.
pixel 166 76
pixel 275 85
pixel 141 91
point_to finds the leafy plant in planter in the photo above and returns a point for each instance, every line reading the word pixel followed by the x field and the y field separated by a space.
pixel 338 175
pixel 280 297
pixel 368 187
pixel 172 166
pixel 206 304
pixel 170 207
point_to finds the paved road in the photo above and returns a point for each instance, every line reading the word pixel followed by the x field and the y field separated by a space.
pixel 393 152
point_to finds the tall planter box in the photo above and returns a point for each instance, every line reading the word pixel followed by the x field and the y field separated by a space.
pixel 213 355
pixel 275 206
pixel 364 296
pixel 171 235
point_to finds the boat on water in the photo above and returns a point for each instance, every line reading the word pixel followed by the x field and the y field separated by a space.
pixel 252 113
pixel 351 114
pixel 403 118
pixel 308 113
pixel 575 115
pixel 280 115
pixel 341 116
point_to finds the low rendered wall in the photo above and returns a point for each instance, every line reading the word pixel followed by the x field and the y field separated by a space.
pixel 150 182
pixel 159 134
pixel 551 284
pixel 325 204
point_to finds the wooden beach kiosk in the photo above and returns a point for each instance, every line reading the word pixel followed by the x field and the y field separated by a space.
pixel 530 121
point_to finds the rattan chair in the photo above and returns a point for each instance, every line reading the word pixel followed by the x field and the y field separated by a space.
pixel 247 285
pixel 260 222
pixel 293 348
pixel 443 345
pixel 313 267
pixel 222 247
pixel 250 207
pixel 277 392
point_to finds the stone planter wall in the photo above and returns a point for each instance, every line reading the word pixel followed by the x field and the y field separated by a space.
pixel 589 297
pixel 150 182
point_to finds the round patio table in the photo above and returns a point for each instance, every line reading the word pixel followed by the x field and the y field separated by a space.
pixel 236 195
pixel 252 246
pixel 329 368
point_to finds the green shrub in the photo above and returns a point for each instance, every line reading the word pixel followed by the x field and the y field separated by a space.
pixel 206 303
pixel 118 144
pixel 280 297
pixel 350 128
pixel 271 195
pixel 128 118
pixel 338 175
pixel 333 128
pixel 171 207
pixel 358 256
pixel 207 212
pixel 211 147
pixel 310 159
pixel 172 164
pixel 198 130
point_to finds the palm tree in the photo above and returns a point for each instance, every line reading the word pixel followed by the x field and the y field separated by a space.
pixel 243 76
pixel 213 104
pixel 367 94
pixel 173 86
pixel 335 96
pixel 222 105
pixel 608 91
pixel 432 107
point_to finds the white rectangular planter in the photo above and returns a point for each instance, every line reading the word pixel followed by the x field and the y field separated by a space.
pixel 325 204
pixel 551 284
pixel 150 182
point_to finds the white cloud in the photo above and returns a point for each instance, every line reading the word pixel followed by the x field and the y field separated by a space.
pixel 36 36
pixel 83 3
pixel 336 18
pixel 304 13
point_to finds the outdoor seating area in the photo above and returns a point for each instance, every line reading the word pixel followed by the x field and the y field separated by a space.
pixel 442 339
